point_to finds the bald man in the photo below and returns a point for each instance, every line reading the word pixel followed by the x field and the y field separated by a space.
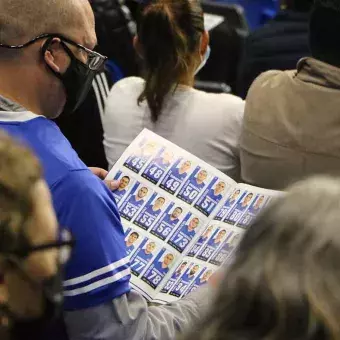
pixel 47 65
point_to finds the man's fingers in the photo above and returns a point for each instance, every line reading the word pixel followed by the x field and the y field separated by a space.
pixel 112 185
pixel 101 173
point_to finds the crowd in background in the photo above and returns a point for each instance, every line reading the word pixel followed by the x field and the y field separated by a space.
pixel 103 71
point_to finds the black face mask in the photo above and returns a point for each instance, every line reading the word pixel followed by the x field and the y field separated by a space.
pixel 35 328
pixel 77 80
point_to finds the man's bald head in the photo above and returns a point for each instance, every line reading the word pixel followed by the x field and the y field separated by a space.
pixel 22 20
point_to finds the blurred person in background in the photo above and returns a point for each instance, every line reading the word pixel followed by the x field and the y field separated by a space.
pixel 115 29
pixel 284 281
pixel 291 127
pixel 174 46
pixel 32 249
pixel 278 45
pixel 47 66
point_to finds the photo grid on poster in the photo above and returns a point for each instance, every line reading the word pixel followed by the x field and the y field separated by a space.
pixel 182 218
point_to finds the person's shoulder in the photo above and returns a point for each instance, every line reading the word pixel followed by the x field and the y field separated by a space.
pixel 268 80
pixel 122 103
pixel 51 147
pixel 128 85
pixel 223 101
pixel 79 190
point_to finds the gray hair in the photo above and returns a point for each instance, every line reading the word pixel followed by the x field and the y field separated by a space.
pixel 284 282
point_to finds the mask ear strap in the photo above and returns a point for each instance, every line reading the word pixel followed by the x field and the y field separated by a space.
pixel 46 48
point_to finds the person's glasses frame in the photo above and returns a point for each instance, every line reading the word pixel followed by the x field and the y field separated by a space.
pixel 65 242
pixel 95 61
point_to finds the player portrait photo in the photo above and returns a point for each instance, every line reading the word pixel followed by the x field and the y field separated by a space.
pixel 165 160
pixel 163 265
pixel 178 272
pixel 255 208
pixel 191 273
pixel 134 201
pixel 176 176
pixel 142 258
pixel 200 242
pixel 150 212
pixel 173 218
pixel 217 192
pixel 165 226
pixel 181 172
pixel 175 276
pixel 157 167
pixel 245 203
pixel 185 233
pixel 185 281
pixel 205 277
pixel 228 248
pixel 206 234
pixel 232 199
pixel 122 189
pixel 193 186
pixel 239 209
pixel 214 243
pixel 201 280
pixel 158 269
pixel 130 242
pixel 211 197
pixel 136 161
pixel 258 203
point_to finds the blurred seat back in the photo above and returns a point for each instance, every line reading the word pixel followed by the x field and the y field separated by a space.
pixel 226 41
pixel 212 86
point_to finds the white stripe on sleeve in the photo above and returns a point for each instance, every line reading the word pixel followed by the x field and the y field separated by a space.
pixel 106 85
pixel 97 272
pixel 99 99
pixel 98 284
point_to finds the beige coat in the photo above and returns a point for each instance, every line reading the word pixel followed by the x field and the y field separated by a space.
pixel 292 125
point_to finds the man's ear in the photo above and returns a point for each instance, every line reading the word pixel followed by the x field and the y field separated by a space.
pixel 205 39
pixel 55 56
pixel 137 46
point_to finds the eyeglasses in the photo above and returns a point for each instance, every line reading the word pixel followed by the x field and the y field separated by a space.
pixel 65 244
pixel 95 60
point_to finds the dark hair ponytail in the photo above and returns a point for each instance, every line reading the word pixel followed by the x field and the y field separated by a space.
pixel 169 31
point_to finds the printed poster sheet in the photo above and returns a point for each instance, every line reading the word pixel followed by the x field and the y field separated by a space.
pixel 182 218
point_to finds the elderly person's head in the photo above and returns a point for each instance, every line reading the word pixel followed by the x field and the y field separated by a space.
pixel 284 282
pixel 46 58
pixel 32 248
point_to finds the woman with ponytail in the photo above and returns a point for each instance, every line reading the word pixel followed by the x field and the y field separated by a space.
pixel 174 46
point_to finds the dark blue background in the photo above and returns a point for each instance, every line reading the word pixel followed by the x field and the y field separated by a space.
pixel 257 11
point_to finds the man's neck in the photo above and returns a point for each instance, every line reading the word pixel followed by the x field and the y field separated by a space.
pixel 20 92
pixel 18 102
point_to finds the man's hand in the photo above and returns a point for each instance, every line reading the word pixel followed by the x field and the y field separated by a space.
pixel 101 173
